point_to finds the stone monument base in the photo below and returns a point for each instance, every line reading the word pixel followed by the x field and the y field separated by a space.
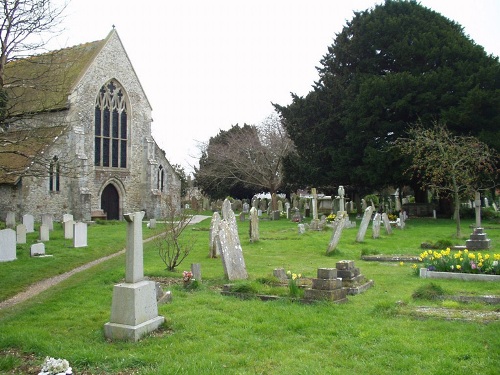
pixel 134 311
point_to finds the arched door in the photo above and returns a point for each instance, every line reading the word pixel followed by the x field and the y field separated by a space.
pixel 110 202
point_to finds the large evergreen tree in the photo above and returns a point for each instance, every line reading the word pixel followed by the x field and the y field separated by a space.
pixel 389 67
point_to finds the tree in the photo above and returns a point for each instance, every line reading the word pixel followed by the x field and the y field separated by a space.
pixel 23 28
pixel 251 156
pixel 389 67
pixel 448 164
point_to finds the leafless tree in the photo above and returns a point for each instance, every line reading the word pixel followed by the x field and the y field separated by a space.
pixel 173 249
pixel 253 157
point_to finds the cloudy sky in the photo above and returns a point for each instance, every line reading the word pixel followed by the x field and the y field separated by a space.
pixel 206 65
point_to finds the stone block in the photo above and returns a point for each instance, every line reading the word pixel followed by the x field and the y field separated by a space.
pixel 327 273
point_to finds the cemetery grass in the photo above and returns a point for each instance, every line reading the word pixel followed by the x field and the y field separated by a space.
pixel 380 331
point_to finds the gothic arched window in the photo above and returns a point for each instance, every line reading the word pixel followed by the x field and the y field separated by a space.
pixel 111 127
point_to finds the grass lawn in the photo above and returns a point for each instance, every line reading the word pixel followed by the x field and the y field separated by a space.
pixel 381 331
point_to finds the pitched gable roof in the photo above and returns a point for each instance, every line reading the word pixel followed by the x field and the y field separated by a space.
pixel 43 82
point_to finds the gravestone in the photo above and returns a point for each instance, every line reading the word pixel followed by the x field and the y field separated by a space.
pixel 29 222
pixel 376 225
pixel 367 216
pixel 68 229
pixel 7 245
pixel 80 234
pixel 338 227
pixel 231 251
pixel 134 309
pixel 48 221
pixel 10 220
pixel 37 249
pixel 44 233
pixel 21 233
pixel 254 225
pixel 214 241
pixel 387 223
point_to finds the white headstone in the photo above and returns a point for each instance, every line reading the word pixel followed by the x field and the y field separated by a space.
pixel 37 249
pixel 367 216
pixel 29 222
pixel 79 234
pixel 21 233
pixel 44 233
pixel 7 245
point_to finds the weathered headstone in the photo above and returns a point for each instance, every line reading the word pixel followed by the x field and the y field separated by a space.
pixel 48 221
pixel 134 310
pixel 44 233
pixel 29 222
pixel 376 225
pixel 338 227
pixel 21 233
pixel 37 249
pixel 68 229
pixel 7 245
pixel 10 220
pixel 367 216
pixel 214 240
pixel 254 225
pixel 231 251
pixel 80 234
pixel 387 223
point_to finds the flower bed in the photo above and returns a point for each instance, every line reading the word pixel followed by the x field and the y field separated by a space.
pixel 461 262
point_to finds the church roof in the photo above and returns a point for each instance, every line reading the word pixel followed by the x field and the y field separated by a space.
pixel 22 152
pixel 43 82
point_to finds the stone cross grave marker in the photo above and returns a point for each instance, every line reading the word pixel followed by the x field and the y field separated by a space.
pixel 367 216
pixel 29 222
pixel 134 309
pixel 7 245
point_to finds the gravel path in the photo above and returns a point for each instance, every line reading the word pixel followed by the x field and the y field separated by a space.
pixel 43 285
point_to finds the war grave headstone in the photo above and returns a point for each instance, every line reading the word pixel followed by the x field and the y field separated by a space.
pixel 80 234
pixel 367 216
pixel 48 221
pixel 134 309
pixel 37 249
pixel 7 245
pixel 21 233
pixel 254 225
pixel 231 251
pixel 44 233
pixel 29 222
pixel 10 220
pixel 214 240
pixel 376 225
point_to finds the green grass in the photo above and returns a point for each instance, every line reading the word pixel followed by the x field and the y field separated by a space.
pixel 375 332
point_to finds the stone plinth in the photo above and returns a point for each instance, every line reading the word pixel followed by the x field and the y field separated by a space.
pixel 134 311
pixel 478 240
pixel 326 287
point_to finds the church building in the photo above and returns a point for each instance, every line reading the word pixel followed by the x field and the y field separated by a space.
pixel 77 138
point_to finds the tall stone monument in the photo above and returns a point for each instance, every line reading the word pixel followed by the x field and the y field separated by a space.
pixel 134 310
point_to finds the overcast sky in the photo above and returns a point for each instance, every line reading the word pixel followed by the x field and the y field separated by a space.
pixel 206 65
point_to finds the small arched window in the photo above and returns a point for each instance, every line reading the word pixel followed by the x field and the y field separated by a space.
pixel 54 174
pixel 161 178
pixel 110 126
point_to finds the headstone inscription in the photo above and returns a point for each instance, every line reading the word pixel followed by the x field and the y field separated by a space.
pixel 134 310
pixel 7 245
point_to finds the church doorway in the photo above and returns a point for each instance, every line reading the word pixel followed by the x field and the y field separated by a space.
pixel 110 202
